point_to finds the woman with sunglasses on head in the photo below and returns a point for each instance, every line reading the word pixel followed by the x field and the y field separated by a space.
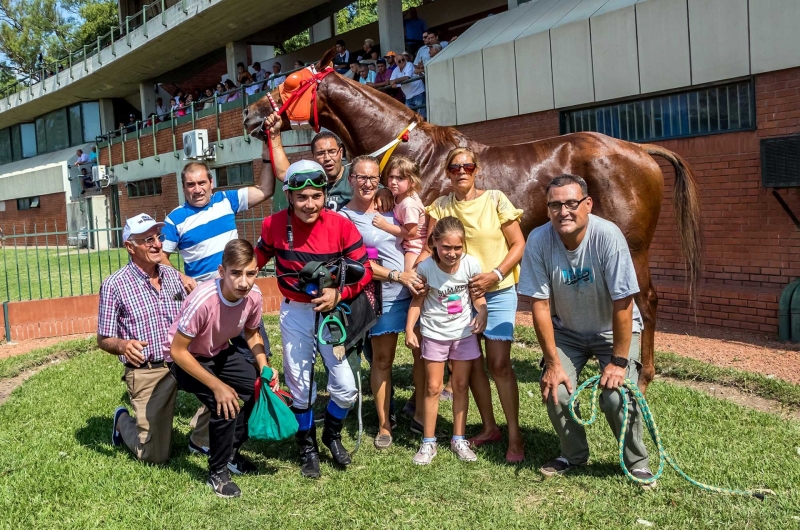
pixel 494 237
pixel 307 231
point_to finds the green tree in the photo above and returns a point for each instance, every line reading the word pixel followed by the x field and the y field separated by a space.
pixel 98 19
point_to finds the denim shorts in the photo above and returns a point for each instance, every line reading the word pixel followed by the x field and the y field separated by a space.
pixel 502 309
pixel 393 319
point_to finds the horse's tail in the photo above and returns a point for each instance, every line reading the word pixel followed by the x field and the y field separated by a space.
pixel 687 215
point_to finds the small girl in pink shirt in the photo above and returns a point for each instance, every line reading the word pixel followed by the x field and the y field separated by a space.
pixel 401 176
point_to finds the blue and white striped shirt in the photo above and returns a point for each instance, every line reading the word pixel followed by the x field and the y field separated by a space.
pixel 200 234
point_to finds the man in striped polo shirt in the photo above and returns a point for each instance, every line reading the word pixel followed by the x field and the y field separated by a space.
pixel 199 230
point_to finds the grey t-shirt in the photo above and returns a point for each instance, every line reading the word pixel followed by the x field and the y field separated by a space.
pixel 581 284
pixel 389 248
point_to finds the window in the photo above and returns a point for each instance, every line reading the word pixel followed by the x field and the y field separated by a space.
pixel 235 175
pixel 5 146
pixel 709 110
pixel 75 127
pixel 56 123
pixel 28 136
pixel 27 203
pixel 144 188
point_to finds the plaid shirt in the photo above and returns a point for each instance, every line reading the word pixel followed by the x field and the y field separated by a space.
pixel 131 308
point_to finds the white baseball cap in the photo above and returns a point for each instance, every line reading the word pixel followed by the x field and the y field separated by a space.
pixel 138 224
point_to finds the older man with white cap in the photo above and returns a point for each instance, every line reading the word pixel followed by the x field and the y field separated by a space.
pixel 138 303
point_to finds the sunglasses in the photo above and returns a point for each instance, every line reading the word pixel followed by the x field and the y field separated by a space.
pixel 455 169
pixel 298 181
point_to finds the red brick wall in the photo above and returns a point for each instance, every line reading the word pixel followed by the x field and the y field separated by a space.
pixel 156 205
pixel 49 216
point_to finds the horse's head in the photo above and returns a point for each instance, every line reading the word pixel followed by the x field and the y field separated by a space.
pixel 255 113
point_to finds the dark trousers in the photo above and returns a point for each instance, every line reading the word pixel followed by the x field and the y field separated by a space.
pixel 225 436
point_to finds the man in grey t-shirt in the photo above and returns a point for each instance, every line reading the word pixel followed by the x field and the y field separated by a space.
pixel 579 272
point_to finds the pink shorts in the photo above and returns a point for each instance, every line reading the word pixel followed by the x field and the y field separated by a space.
pixel 465 349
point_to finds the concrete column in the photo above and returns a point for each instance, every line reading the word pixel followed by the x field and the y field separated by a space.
pixel 513 3
pixel 107 122
pixel 262 53
pixel 235 52
pixel 147 95
pixel 390 25
pixel 322 30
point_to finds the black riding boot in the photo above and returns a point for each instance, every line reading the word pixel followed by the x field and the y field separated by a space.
pixel 309 452
pixel 332 438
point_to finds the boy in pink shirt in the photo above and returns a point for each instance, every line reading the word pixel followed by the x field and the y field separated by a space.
pixel 208 367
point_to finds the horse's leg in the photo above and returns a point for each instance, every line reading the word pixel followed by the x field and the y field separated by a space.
pixel 647 301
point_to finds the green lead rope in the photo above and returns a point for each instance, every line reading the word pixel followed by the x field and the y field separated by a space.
pixel 650 422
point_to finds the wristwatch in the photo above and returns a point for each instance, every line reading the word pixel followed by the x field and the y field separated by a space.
pixel 622 362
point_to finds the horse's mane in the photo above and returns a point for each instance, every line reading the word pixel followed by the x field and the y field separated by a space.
pixel 445 137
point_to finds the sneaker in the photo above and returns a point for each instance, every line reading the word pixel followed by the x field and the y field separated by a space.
pixel 220 481
pixel 462 450
pixel 116 436
pixel 425 454
pixel 644 473
pixel 559 466
pixel 198 449
pixel 239 465
pixel 393 421
pixel 409 409
pixel 446 396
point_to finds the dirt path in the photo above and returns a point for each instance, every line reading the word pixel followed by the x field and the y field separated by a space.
pixel 7 386
pixel 18 348
pixel 742 350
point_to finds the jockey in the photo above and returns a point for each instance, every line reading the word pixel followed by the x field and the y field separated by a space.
pixel 307 231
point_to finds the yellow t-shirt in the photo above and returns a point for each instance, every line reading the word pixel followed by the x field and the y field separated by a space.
pixel 483 218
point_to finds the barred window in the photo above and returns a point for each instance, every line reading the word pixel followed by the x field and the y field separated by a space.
pixel 709 110
pixel 144 188
pixel 235 175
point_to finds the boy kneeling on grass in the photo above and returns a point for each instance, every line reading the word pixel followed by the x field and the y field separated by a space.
pixel 207 366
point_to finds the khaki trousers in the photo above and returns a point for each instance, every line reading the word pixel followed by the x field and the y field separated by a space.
pixel 152 393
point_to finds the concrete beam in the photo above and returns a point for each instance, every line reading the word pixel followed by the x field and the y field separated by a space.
pixel 235 52
pixel 390 25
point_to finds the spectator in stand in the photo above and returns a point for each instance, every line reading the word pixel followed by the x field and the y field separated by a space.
pixel 419 68
pixel 83 158
pixel 390 63
pixel 208 100
pixel 189 104
pixel 219 93
pixel 152 119
pixel 131 127
pixel 180 108
pixel 382 75
pixel 369 51
pixel 245 79
pixel 161 110
pixel 299 64
pixel 413 27
pixel 86 180
pixel 235 94
pixel 93 156
pixel 433 36
pixel 415 90
pixel 260 75
pixel 176 103
pixel 352 73
pixel 365 75
pixel 424 52
pixel 341 61
pixel 277 79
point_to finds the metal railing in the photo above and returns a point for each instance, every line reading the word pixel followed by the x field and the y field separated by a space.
pixel 45 260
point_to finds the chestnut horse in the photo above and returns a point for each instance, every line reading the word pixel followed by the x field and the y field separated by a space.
pixel 625 182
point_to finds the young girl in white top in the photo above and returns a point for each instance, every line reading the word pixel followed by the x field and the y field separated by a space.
pixel 401 176
pixel 449 332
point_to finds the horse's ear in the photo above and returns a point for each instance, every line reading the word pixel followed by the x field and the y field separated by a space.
pixel 326 60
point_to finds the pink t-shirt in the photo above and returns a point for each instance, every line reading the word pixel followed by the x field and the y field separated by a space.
pixel 212 321
pixel 411 210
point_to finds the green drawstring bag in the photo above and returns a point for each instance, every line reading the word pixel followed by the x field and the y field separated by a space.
pixel 272 419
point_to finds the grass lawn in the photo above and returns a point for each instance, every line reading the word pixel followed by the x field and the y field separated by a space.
pixel 58 468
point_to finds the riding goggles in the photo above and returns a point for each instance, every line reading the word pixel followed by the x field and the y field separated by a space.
pixel 298 181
